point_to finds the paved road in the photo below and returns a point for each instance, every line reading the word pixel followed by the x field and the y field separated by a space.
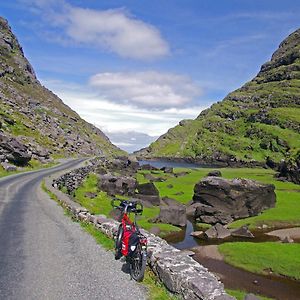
pixel 44 255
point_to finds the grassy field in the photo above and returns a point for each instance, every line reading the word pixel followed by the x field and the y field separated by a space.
pixel 286 212
pixel 101 205
pixel 282 259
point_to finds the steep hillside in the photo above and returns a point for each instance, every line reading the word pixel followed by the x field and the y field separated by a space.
pixel 258 122
pixel 33 121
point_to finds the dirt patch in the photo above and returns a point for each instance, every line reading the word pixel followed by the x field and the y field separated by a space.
pixel 210 251
pixel 294 233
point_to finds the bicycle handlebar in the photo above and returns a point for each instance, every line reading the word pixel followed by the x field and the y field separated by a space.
pixel 128 206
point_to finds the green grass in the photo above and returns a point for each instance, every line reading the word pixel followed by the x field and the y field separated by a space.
pixel 100 237
pixel 286 211
pixel 32 166
pixel 282 259
pixel 240 295
pixel 156 290
pixel 98 205
pixel 101 204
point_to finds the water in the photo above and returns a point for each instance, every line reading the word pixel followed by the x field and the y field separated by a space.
pixel 174 164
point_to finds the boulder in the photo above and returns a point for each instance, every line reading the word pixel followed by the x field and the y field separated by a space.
pixel 181 174
pixel 197 234
pixel 155 230
pixel 14 151
pixel 149 193
pixel 251 297
pixel 191 209
pixel 147 189
pixel 8 167
pixel 242 232
pixel 121 185
pixel 168 170
pixel 172 212
pixel 223 200
pixel 215 173
pixel 217 232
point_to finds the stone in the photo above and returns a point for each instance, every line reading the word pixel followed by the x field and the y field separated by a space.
pixel 191 209
pixel 148 192
pixel 170 186
pixel 147 189
pixel 181 174
pixel 197 234
pixel 90 195
pixel 155 230
pixel 251 297
pixel 217 232
pixel 223 200
pixel 172 212
pixel 8 167
pixel 121 185
pixel 167 170
pixel 287 240
pixel 14 151
pixel 215 173
pixel 242 232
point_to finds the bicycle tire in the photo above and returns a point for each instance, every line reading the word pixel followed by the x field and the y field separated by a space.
pixel 138 264
pixel 118 243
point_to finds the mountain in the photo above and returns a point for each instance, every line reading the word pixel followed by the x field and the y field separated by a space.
pixel 259 121
pixel 34 122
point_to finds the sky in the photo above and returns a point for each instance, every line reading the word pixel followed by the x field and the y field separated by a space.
pixel 136 68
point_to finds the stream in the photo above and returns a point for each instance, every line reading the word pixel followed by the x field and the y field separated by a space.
pixel 275 287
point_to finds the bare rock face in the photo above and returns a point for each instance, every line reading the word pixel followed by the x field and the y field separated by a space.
pixel 172 212
pixel 223 200
pixel 13 151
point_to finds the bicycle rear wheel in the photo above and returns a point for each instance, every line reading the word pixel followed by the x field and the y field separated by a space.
pixel 138 264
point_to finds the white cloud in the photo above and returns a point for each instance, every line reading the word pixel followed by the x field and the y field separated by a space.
pixel 113 30
pixel 116 31
pixel 150 89
pixel 116 117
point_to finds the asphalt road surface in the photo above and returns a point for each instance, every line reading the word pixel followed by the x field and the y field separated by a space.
pixel 45 255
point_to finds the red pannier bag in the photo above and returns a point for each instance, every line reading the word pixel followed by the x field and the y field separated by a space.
pixel 129 230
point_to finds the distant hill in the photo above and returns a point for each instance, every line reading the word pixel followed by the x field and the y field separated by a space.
pixel 258 122
pixel 35 121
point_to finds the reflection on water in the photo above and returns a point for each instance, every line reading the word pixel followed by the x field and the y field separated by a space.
pixel 183 239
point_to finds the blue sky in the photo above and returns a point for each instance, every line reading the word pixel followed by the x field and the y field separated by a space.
pixel 136 68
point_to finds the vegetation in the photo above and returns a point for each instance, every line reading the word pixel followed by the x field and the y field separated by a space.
pixel 281 259
pixel 240 295
pixel 32 166
pixel 100 237
pixel 286 212
pixel 101 204
pixel 259 120
pixel 156 290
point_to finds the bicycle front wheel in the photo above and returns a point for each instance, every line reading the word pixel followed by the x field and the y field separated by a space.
pixel 138 264
pixel 118 243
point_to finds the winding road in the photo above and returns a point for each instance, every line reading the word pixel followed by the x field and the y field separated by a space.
pixel 45 255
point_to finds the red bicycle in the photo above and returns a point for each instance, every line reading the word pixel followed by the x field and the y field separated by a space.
pixel 129 242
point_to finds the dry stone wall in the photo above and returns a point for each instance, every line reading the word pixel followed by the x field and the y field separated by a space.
pixel 176 269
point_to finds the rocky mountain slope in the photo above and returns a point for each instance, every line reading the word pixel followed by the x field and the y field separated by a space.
pixel 258 122
pixel 35 123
